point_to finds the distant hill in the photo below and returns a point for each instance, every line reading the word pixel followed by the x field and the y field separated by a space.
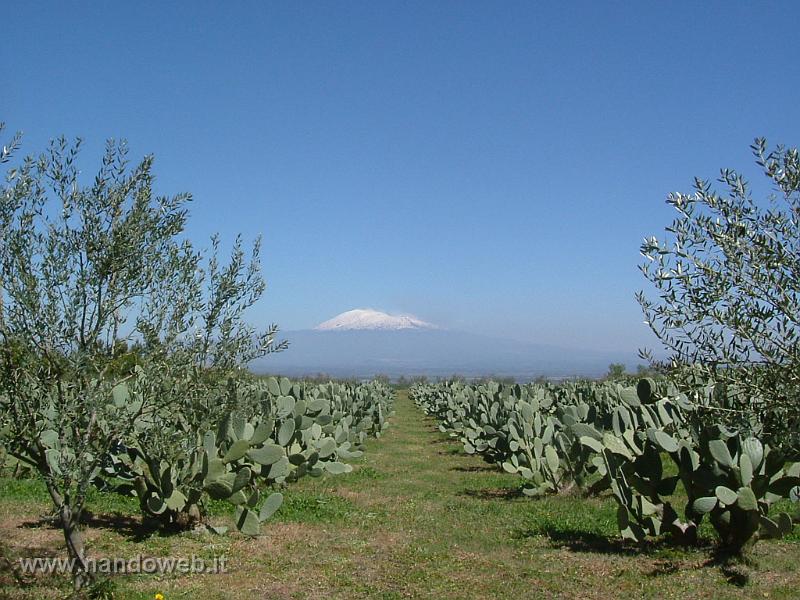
pixel 361 351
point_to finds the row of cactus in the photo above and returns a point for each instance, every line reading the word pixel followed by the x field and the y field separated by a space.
pixel 605 436
pixel 532 430
pixel 254 438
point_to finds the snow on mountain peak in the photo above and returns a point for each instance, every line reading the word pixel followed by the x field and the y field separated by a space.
pixel 367 318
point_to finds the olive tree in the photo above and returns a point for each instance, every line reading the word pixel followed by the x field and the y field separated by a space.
pixel 6 153
pixel 727 288
pixel 88 272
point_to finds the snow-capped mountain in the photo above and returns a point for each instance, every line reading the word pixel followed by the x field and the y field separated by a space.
pixel 367 342
pixel 368 319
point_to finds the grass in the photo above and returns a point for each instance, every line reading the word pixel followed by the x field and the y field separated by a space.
pixel 416 519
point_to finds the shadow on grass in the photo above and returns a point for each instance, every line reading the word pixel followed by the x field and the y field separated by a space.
pixel 578 540
pixel 132 528
pixel 505 493
pixel 476 469
pixel 440 440
pixel 736 569
pixel 668 555
pixel 451 452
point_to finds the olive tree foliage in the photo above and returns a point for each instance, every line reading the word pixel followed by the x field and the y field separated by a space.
pixel 727 283
pixel 6 153
pixel 108 316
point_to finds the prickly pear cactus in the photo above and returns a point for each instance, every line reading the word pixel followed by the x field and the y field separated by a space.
pixel 619 438
pixel 263 435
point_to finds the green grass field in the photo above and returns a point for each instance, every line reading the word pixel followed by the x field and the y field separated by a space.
pixel 416 519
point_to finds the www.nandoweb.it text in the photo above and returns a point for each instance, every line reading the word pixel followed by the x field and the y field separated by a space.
pixel 138 564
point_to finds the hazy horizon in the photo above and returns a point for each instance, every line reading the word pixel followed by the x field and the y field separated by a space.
pixel 437 353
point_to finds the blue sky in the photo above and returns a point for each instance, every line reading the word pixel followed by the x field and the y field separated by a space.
pixel 485 166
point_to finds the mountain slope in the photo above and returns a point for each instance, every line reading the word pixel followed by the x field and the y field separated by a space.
pixel 431 352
